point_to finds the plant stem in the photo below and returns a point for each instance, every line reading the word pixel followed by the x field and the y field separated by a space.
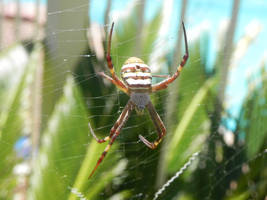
pixel 140 25
pixel 1 21
pixel 227 53
pixel 18 21
pixel 171 103
pixel 107 13
pixel 37 105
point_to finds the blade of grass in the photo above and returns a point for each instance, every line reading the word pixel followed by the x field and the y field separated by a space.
pixel 11 122
pixel 101 178
pixel 179 136
pixel 105 179
pixel 62 149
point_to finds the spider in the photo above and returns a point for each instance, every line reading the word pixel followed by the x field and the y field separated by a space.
pixel 136 83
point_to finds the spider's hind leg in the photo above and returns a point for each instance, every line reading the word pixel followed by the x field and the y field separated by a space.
pixel 100 140
pixel 159 126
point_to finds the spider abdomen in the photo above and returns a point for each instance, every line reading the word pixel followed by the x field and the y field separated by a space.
pixel 136 74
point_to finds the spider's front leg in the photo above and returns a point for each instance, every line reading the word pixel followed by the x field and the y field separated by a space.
pixel 159 126
pixel 164 84
pixel 115 80
pixel 119 85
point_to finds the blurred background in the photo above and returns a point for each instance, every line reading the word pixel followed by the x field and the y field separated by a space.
pixel 215 112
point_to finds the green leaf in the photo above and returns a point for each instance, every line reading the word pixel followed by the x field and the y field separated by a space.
pixel 255 118
pixel 193 76
pixel 62 147
pixel 151 31
pixel 64 160
pixel 179 148
pixel 124 41
pixel 11 124
pixel 103 175
pixel 11 71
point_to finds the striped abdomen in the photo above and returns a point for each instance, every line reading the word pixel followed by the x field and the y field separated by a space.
pixel 136 74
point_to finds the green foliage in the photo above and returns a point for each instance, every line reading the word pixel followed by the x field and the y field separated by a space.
pixel 254 118
pixel 66 137
pixel 66 153
pixel 66 131
pixel 192 129
pixel 252 125
pixel 123 47
pixel 11 125
pixel 188 142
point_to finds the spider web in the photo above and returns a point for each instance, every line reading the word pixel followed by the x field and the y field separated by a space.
pixel 139 168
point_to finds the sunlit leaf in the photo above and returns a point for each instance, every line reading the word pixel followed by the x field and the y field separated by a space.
pixel 182 140
pixel 11 123
pixel 63 147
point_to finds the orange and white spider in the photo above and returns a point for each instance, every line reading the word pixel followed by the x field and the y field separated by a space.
pixel 137 83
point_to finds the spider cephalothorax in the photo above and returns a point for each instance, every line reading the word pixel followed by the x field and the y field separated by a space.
pixel 137 83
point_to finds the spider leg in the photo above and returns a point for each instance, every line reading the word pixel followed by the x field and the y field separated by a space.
pixel 115 78
pixel 106 138
pixel 164 84
pixel 115 131
pixel 117 84
pixel 159 126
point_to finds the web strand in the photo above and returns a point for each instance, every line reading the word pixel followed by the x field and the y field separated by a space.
pixel 167 184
